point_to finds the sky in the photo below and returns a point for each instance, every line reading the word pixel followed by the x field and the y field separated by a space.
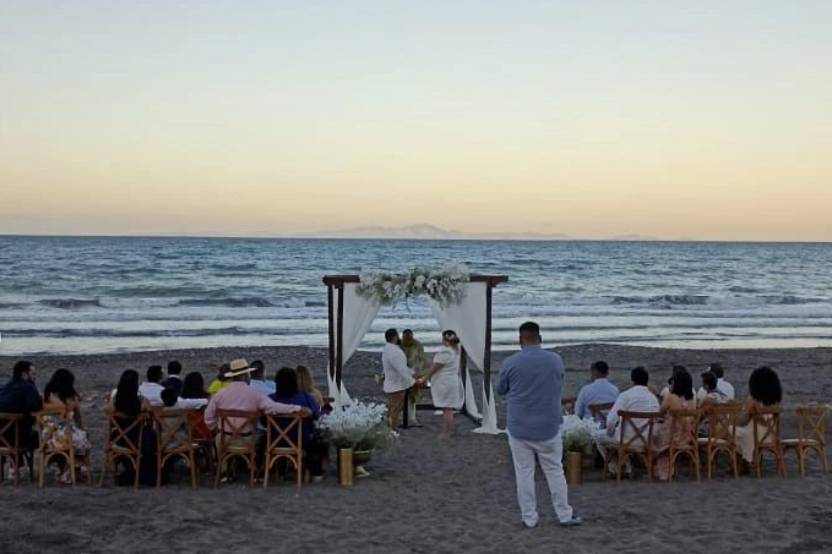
pixel 710 121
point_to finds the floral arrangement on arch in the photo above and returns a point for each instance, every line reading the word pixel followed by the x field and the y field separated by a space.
pixel 447 286
pixel 360 426
pixel 578 434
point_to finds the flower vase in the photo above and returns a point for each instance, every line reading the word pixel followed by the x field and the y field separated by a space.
pixel 573 467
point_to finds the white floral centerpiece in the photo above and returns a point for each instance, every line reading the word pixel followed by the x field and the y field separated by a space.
pixel 446 285
pixel 578 434
pixel 360 426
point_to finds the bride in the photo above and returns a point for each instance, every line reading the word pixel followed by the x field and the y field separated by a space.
pixel 445 383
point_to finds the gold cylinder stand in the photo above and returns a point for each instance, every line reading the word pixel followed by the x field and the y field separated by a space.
pixel 573 468
pixel 346 470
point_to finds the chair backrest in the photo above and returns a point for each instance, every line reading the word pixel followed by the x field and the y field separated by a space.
pixel 599 411
pixel 171 427
pixel 236 425
pixel 279 432
pixel 45 421
pixel 121 427
pixel 9 432
pixel 684 429
pixel 722 421
pixel 636 429
pixel 766 421
pixel 811 420
pixel 568 405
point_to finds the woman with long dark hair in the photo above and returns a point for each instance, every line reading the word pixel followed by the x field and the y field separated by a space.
pixel 60 394
pixel 193 388
pixel 129 404
pixel 445 383
pixel 765 391
pixel 679 397
pixel 288 392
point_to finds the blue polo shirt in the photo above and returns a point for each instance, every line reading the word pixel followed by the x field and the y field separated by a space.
pixel 532 382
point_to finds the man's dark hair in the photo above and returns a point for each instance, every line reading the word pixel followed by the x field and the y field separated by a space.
pixel 601 367
pixel 530 329
pixel 709 381
pixel 169 397
pixel 639 376
pixel 407 332
pixel 717 370
pixel 154 374
pixel 174 368
pixel 21 367
pixel 390 334
pixel 259 369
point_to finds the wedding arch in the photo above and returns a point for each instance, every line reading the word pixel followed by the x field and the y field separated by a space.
pixel 457 300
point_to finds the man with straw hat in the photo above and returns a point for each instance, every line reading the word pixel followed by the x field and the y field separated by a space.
pixel 238 395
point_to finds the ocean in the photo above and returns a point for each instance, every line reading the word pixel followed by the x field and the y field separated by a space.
pixel 96 295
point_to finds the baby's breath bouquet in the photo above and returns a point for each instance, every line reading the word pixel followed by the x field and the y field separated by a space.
pixel 446 285
pixel 578 434
pixel 360 426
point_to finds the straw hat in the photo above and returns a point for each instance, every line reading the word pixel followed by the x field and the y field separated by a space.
pixel 238 367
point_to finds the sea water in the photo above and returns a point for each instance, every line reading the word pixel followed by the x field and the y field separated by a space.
pixel 83 295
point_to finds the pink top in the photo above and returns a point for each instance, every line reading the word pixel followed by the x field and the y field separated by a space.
pixel 239 396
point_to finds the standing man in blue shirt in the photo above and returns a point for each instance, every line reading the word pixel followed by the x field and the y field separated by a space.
pixel 532 382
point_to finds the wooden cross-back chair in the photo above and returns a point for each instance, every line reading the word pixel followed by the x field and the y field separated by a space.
pixel 766 428
pixel 10 448
pixel 811 421
pixel 124 442
pixel 568 405
pixel 599 412
pixel 284 440
pixel 636 435
pixel 174 439
pixel 684 440
pixel 236 439
pixel 722 435
pixel 57 443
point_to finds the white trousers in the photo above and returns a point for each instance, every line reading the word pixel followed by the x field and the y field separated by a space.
pixel 549 454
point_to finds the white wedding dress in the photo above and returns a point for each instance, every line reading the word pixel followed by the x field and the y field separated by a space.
pixel 446 389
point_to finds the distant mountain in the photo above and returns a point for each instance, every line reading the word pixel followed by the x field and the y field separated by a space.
pixel 424 231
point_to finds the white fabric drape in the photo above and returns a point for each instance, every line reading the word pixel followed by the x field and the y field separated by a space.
pixel 359 313
pixel 469 319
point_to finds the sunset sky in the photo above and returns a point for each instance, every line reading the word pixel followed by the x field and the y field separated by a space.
pixel 587 118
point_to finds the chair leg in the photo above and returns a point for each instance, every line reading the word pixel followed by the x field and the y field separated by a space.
pixel 251 469
pixel 192 460
pixel 41 469
pixel 158 469
pixel 137 465
pixel 219 471
pixel 801 462
pixel 299 466
pixel 104 470
pixel 823 461
pixel 267 470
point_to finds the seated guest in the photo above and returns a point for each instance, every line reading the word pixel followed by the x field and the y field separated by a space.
pixel 710 393
pixel 174 379
pixel 151 390
pixel 220 382
pixel 638 398
pixel 306 383
pixel 258 375
pixel 193 389
pixel 599 391
pixel 60 393
pixel 669 429
pixel 238 395
pixel 129 404
pixel 764 390
pixel 722 385
pixel 286 384
pixel 180 436
pixel 666 390
pixel 20 396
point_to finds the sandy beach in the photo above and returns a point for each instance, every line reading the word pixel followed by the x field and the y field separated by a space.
pixel 430 496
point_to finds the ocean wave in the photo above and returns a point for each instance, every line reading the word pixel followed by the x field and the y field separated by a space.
pixel 663 299
pixel 151 333
pixel 71 303
pixel 228 301
pixel 792 300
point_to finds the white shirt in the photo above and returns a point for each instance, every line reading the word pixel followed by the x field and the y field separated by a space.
pixel 397 376
pixel 190 403
pixel 152 392
pixel 634 399
pixel 723 386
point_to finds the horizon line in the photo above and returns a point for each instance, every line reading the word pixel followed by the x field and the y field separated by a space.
pixel 413 239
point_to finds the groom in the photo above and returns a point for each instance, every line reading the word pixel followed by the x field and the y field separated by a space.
pixel 532 381
pixel 398 377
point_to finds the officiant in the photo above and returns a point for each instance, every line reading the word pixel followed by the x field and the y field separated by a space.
pixel 414 351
